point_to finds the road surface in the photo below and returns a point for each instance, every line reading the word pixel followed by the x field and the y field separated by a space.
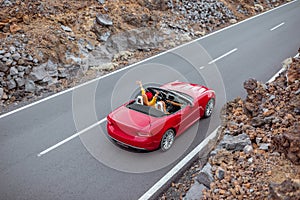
pixel 49 150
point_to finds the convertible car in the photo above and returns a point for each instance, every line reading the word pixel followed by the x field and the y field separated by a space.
pixel 178 106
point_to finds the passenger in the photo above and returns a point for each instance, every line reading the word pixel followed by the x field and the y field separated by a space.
pixel 148 98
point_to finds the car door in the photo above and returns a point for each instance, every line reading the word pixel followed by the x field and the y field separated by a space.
pixel 187 116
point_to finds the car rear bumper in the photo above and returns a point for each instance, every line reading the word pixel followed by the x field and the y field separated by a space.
pixel 137 142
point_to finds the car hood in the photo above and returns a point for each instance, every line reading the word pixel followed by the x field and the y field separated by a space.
pixel 194 90
pixel 131 121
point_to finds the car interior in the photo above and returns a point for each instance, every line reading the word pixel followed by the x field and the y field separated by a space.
pixel 164 96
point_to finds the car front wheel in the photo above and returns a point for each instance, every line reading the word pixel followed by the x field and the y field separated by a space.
pixel 167 140
pixel 209 108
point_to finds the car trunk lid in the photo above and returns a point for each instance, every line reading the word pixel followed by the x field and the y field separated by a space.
pixel 130 121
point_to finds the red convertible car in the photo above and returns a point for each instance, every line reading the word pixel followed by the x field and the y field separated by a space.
pixel 151 127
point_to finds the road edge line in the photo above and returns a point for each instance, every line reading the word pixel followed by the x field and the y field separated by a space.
pixel 157 188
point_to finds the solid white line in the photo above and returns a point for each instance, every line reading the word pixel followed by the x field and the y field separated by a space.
pixel 277 74
pixel 281 70
pixel 177 167
pixel 71 137
pixel 96 79
pixel 272 29
pixel 226 54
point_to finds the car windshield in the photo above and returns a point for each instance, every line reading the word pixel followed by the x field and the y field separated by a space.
pixel 183 94
pixel 148 110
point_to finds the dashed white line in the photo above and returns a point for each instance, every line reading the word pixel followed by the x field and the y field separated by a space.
pixel 275 27
pixel 71 137
pixel 202 67
pixel 224 55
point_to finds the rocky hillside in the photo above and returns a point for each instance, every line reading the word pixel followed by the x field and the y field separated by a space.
pixel 47 46
pixel 258 156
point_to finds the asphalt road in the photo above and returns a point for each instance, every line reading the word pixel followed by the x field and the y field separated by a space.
pixel 89 166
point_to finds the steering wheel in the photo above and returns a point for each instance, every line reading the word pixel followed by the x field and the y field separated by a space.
pixel 162 96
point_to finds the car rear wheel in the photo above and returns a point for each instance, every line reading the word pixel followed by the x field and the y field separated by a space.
pixel 167 140
pixel 209 108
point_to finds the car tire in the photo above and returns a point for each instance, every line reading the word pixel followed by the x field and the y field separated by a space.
pixel 167 140
pixel 209 108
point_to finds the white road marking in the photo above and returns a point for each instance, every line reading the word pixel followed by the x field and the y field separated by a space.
pixel 277 74
pixel 224 55
pixel 281 70
pixel 71 137
pixel 97 79
pixel 202 67
pixel 275 27
pixel 177 167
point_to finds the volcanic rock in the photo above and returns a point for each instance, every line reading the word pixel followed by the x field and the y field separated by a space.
pixel 20 82
pixel 235 143
pixel 29 86
pixel 289 143
pixel 220 173
pixel 3 67
pixel 104 20
pixel 66 28
pixel 13 71
pixel 288 189
pixel 11 84
pixel 205 177
pixel 1 93
pixel 195 192
pixel 38 73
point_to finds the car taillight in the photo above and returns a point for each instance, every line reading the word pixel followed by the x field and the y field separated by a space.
pixel 141 134
pixel 109 121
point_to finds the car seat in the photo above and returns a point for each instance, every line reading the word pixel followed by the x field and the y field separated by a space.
pixel 159 106
pixel 139 100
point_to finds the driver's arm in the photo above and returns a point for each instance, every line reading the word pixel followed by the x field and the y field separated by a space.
pixel 174 103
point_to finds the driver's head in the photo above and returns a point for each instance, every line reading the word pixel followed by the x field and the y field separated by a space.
pixel 149 96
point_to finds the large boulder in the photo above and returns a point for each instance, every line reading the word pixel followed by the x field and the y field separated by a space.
pixel 38 73
pixel 29 86
pixel 289 144
pixel 52 68
pixel 205 177
pixel 143 39
pixel 235 143
pixel 195 192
